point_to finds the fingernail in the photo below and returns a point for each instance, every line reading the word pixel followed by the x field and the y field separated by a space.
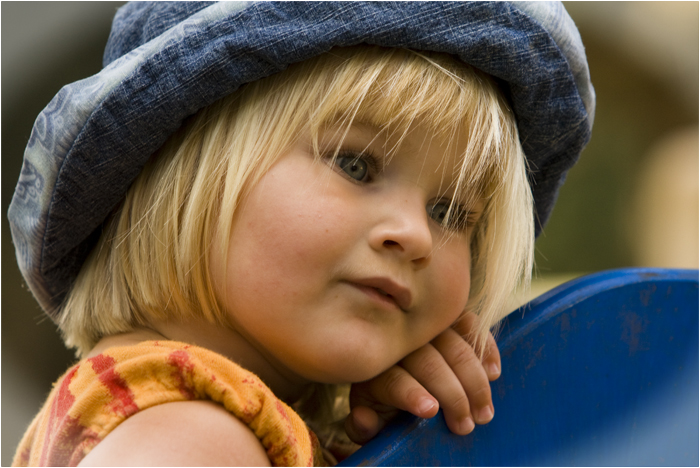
pixel 426 405
pixel 466 425
pixel 494 370
pixel 359 427
pixel 485 414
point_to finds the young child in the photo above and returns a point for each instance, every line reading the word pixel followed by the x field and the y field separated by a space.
pixel 254 204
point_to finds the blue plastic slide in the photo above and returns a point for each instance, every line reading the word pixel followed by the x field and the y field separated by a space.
pixel 602 370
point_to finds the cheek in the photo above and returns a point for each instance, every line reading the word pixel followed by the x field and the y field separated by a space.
pixel 451 283
pixel 287 235
pixel 292 230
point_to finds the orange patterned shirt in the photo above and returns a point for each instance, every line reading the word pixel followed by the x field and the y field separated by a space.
pixel 97 394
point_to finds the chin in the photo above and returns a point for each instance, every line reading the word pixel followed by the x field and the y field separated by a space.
pixel 345 376
pixel 347 368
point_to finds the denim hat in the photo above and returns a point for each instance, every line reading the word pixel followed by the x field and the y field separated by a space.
pixel 165 61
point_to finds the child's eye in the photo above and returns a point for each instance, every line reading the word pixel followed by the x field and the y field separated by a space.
pixel 458 220
pixel 356 166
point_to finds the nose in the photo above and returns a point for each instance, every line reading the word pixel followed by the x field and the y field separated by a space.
pixel 403 229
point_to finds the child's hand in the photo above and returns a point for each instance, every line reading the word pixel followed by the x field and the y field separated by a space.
pixel 444 373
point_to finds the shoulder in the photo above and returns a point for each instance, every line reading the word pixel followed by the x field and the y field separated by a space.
pixel 187 433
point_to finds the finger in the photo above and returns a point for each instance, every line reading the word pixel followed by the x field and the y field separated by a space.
pixel 491 357
pixel 429 367
pixel 394 388
pixel 362 424
pixel 468 369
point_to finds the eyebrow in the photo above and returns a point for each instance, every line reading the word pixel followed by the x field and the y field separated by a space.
pixel 367 129
pixel 339 133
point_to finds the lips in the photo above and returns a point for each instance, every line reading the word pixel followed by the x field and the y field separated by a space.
pixel 386 289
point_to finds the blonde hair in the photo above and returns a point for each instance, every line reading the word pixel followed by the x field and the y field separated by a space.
pixel 152 260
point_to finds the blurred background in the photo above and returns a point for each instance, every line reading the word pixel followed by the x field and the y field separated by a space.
pixel 632 200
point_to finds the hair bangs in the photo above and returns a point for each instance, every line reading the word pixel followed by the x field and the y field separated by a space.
pixel 392 89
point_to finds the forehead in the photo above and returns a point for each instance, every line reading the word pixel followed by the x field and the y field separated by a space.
pixel 392 138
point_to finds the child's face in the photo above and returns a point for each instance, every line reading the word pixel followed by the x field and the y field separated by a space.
pixel 337 271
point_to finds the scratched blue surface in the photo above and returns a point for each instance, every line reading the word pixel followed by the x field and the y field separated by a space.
pixel 602 370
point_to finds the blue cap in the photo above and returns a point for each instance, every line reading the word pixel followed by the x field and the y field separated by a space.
pixel 166 60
